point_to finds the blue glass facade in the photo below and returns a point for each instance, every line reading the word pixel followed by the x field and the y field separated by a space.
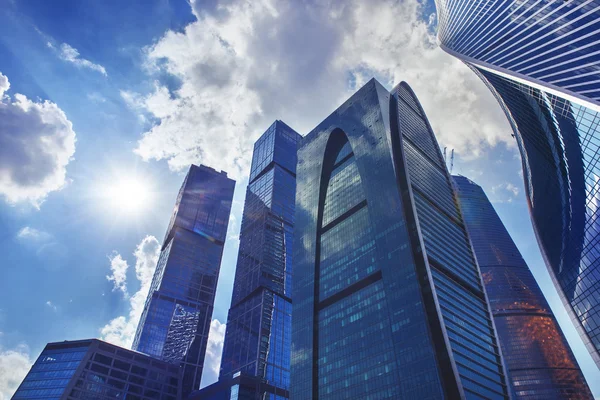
pixel 388 299
pixel 559 142
pixel 548 44
pixel 258 335
pixel 538 359
pixel 541 59
pixel 176 319
pixel 95 370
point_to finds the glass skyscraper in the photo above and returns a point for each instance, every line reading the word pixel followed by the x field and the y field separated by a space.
pixel 176 319
pixel 541 59
pixel 93 369
pixel 550 45
pixel 388 299
pixel 258 337
pixel 559 142
pixel 538 359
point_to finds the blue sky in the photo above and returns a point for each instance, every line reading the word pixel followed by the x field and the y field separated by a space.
pixel 98 95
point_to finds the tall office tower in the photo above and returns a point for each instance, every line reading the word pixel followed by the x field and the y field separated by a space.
pixel 93 369
pixel 559 142
pixel 258 336
pixel 549 45
pixel 176 319
pixel 388 298
pixel 538 359
pixel 541 60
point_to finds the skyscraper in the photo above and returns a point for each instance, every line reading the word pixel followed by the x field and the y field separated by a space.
pixel 93 369
pixel 541 60
pixel 538 359
pixel 388 298
pixel 176 319
pixel 559 142
pixel 549 45
pixel 258 336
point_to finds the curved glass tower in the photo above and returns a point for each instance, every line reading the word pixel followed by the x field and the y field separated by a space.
pixel 176 319
pixel 538 359
pixel 541 59
pixel 559 142
pixel 388 299
pixel 550 45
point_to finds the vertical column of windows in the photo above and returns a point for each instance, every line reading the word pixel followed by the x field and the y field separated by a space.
pixel 348 365
pixel 457 279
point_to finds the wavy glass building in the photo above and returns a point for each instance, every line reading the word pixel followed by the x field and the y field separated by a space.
pixel 541 60
pixel 549 45
pixel 176 319
pixel 93 369
pixel 559 142
pixel 538 359
pixel 256 353
pixel 388 299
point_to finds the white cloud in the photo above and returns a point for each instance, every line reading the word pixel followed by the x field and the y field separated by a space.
pixel 71 54
pixel 37 142
pixel 52 306
pixel 241 65
pixel 31 234
pixel 14 365
pixel 134 101
pixel 233 229
pixel 45 245
pixel 121 330
pixel 214 350
pixel 4 85
pixel 96 97
pixel 512 188
pixel 504 193
pixel 119 268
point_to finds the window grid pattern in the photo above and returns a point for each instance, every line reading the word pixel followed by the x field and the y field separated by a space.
pixel 95 370
pixel 398 260
pixel 343 192
pixel 457 279
pixel 346 361
pixel 559 143
pixel 175 322
pixel 280 341
pixel 554 43
pixel 538 358
pixel 342 262
pixel 258 335
pixel 51 373
pixel 437 231
pixel 351 366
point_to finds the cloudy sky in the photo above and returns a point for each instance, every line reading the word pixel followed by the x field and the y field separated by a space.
pixel 103 106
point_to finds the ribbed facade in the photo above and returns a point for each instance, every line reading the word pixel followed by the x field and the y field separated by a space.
pixel 175 323
pixel 539 361
pixel 541 59
pixel 553 44
pixel 559 142
pixel 388 299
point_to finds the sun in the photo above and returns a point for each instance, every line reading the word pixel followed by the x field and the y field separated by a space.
pixel 128 195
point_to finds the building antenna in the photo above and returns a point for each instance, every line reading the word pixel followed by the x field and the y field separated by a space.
pixel 451 161
pixel 445 155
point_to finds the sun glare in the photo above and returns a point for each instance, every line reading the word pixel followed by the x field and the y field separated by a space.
pixel 128 195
